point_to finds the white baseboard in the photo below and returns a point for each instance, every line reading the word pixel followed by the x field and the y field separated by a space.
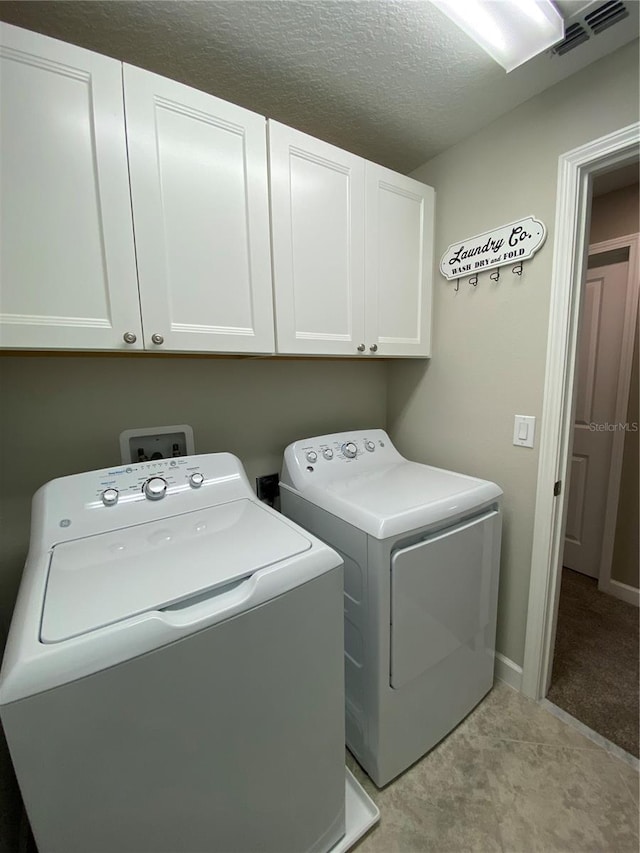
pixel 623 591
pixel 508 671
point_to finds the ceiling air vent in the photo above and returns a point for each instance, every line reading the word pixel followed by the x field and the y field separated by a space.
pixel 606 15
pixel 573 36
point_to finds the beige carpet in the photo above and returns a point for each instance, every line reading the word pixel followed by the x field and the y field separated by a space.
pixel 595 668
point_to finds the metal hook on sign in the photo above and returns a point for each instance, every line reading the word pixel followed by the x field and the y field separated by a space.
pixel 474 280
pixel 517 270
pixel 457 287
pixel 495 276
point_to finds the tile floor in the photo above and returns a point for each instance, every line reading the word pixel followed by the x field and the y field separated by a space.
pixel 512 777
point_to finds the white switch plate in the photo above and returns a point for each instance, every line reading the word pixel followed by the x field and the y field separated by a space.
pixel 524 428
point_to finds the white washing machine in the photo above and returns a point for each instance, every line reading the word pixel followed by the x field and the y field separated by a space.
pixel 421 551
pixel 173 678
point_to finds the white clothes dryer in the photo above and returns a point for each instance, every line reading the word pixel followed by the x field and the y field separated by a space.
pixel 173 677
pixel 421 548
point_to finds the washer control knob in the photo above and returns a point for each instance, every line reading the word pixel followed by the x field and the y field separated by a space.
pixel 327 453
pixel 110 497
pixel 196 480
pixel 349 449
pixel 311 456
pixel 155 488
pixel 370 446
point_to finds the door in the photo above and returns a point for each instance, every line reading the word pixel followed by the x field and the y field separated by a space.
pixel 68 270
pixel 597 371
pixel 317 208
pixel 443 594
pixel 201 217
pixel 399 262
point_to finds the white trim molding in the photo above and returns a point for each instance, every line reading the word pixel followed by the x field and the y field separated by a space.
pixel 575 169
pixel 508 671
pixel 623 591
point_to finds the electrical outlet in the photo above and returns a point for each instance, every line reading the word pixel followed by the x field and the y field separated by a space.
pixel 268 489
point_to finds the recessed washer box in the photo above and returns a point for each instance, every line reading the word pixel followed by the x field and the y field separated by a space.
pixel 139 445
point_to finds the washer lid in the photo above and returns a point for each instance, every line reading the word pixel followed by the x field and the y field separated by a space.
pixel 388 499
pixel 106 578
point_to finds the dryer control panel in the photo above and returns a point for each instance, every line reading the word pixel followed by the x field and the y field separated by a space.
pixel 338 455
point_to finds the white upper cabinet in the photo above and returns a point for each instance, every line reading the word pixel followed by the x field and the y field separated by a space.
pixel 317 216
pixel 67 269
pixel 352 250
pixel 398 263
pixel 138 213
pixel 201 217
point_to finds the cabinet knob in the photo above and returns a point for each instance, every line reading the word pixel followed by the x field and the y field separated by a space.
pixel 361 348
pixel 129 338
pixel 157 339
pixel 374 347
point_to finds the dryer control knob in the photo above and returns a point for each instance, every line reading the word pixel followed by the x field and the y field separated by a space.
pixel 312 456
pixel 196 480
pixel 349 449
pixel 155 488
pixel 327 453
pixel 370 446
pixel 110 497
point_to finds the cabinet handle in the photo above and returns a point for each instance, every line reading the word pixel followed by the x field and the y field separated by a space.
pixel 129 338
pixel 374 348
pixel 361 348
pixel 157 339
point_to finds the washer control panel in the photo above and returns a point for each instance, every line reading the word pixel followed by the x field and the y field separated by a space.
pixel 150 481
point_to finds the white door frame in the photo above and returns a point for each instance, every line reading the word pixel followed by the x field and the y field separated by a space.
pixel 575 170
pixel 605 582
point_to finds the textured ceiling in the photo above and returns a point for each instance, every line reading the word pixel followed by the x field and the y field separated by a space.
pixel 391 80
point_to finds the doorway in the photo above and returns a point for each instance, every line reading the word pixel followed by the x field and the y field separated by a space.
pixel 594 674
pixel 576 174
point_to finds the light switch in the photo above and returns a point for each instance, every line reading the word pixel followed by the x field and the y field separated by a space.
pixel 524 428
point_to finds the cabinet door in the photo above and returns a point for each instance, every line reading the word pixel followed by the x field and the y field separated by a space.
pixel 68 274
pixel 201 218
pixel 399 263
pixel 317 214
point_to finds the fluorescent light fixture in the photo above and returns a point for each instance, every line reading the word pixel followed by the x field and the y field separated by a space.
pixel 511 31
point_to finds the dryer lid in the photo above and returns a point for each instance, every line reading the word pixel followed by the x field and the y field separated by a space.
pixel 109 577
pixel 360 477
pixel 389 499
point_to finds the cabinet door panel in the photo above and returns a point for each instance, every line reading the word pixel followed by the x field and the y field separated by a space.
pixel 68 274
pixel 317 208
pixel 201 217
pixel 399 261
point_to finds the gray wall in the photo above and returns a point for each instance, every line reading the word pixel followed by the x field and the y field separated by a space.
pixel 490 342
pixel 626 547
pixel 617 214
pixel 61 415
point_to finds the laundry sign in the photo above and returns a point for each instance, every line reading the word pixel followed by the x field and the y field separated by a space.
pixel 510 243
